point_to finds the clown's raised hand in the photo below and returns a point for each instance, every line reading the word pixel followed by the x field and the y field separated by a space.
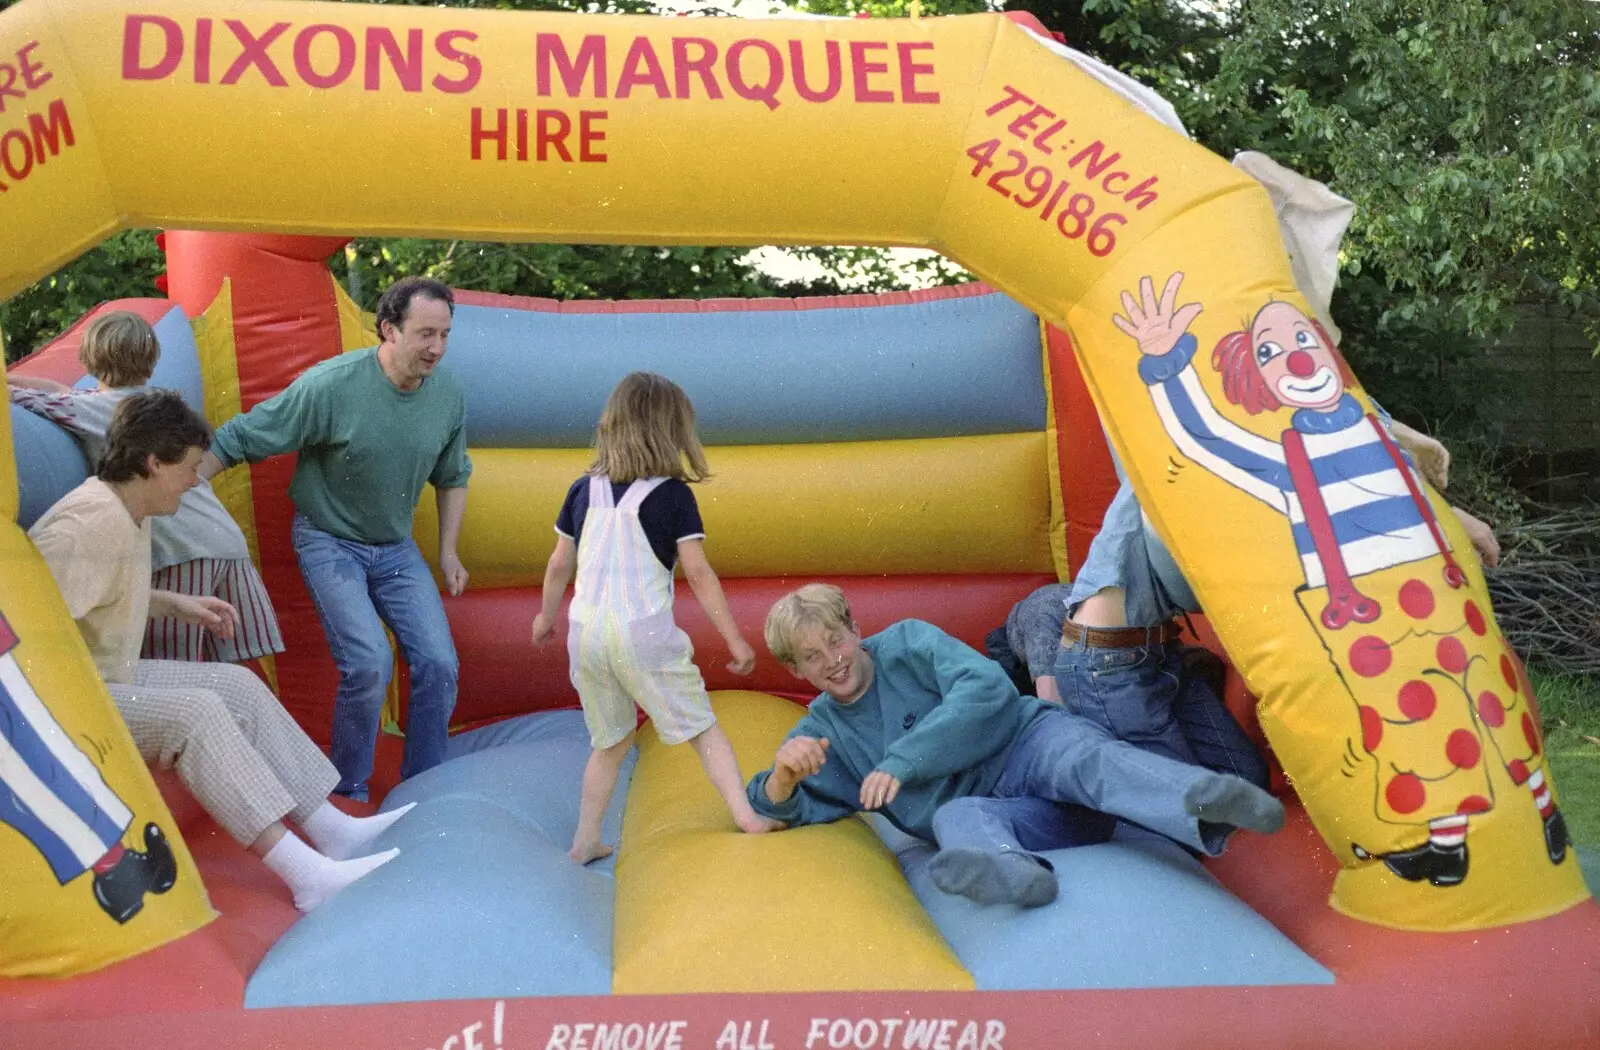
pixel 1156 326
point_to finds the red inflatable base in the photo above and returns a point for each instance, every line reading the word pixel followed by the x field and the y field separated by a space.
pixel 1535 985
pixel 502 675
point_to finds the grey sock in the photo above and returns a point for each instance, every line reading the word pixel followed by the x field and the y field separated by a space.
pixel 993 878
pixel 1222 799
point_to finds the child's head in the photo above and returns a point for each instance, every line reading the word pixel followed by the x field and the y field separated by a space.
pixel 647 431
pixel 814 605
pixel 811 632
pixel 156 439
pixel 119 349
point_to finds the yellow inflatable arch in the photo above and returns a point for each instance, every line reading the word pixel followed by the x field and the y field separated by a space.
pixel 1356 611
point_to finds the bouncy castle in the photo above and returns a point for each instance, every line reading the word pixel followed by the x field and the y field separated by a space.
pixel 939 454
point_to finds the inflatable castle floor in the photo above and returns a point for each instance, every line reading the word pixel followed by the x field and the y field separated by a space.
pixel 938 454
pixel 930 487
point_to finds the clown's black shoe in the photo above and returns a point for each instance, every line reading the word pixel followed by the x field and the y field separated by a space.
pixel 1556 838
pixel 120 891
pixel 158 858
pixel 1440 865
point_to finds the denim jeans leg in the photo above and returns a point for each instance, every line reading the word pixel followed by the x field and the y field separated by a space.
pixel 1130 692
pixel 335 572
pixel 408 601
pixel 975 823
pixel 1065 758
pixel 1214 736
pixel 1024 823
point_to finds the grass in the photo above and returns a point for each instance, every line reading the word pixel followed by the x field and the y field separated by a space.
pixel 1570 708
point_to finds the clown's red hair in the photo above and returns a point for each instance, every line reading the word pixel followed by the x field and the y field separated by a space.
pixel 1242 381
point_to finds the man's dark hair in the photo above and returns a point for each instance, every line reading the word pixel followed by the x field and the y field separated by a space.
pixel 395 306
pixel 150 423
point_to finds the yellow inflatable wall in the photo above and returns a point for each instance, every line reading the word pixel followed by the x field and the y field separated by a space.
pixel 95 870
pixel 1358 615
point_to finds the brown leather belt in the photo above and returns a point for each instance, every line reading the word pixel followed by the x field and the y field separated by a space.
pixel 1119 637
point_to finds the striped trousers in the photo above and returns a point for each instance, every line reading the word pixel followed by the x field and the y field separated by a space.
pixel 51 792
pixel 236 582
pixel 235 747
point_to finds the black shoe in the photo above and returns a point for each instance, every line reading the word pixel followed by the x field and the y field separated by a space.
pixel 1440 865
pixel 1556 838
pixel 158 858
pixel 120 891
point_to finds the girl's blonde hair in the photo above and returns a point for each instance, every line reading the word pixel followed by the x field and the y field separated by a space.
pixel 818 604
pixel 647 431
pixel 119 349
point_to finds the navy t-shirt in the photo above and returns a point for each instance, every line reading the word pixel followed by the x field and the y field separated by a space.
pixel 668 514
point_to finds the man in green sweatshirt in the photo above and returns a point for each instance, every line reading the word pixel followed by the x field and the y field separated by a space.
pixel 372 427
pixel 915 724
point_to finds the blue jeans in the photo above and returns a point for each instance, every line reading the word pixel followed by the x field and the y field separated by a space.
pixel 358 588
pixel 1029 824
pixel 1063 762
pixel 1145 695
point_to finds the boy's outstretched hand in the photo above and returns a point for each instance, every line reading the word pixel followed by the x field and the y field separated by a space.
pixel 1482 537
pixel 878 790
pixel 744 657
pixel 543 627
pixel 799 757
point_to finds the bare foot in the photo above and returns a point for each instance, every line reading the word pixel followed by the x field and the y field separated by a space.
pixel 754 823
pixel 589 852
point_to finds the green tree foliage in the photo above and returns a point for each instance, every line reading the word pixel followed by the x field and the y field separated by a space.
pixel 895 8
pixel 1169 44
pixel 123 267
pixel 555 271
pixel 597 271
pixel 1465 131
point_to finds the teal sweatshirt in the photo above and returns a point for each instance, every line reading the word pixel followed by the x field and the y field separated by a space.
pixel 366 447
pixel 938 716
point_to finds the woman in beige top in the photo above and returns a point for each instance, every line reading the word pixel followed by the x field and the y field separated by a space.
pixel 197 550
pixel 247 762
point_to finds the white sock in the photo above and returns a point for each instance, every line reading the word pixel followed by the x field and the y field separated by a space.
pixel 313 878
pixel 341 836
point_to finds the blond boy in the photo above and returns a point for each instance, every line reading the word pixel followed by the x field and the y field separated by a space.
pixel 915 724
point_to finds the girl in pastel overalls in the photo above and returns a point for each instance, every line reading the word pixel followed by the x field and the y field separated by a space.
pixel 623 526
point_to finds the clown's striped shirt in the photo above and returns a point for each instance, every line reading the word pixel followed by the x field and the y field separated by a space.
pixel 1376 521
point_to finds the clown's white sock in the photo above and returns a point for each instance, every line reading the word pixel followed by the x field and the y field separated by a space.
pixel 1448 832
pixel 313 878
pixel 341 836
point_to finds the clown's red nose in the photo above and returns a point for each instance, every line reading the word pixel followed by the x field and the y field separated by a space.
pixel 1301 364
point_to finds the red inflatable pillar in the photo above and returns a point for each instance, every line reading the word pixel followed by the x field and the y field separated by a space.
pixel 1088 478
pixel 285 320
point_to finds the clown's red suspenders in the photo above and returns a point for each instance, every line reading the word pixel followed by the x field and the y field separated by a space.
pixel 1452 569
pixel 1345 601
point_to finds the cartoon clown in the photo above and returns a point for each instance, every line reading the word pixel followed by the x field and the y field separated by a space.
pixel 54 796
pixel 1383 589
